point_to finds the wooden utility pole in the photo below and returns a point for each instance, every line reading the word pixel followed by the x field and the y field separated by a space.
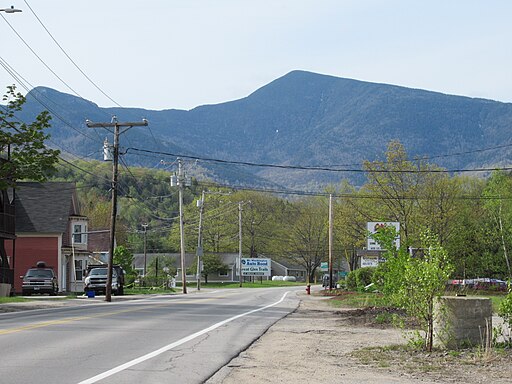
pixel 181 184
pixel 199 251
pixel 330 242
pixel 117 132
pixel 240 241
pixel 145 226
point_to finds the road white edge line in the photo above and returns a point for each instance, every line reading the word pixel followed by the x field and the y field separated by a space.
pixel 168 347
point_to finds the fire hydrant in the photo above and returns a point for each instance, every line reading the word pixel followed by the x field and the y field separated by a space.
pixel 308 289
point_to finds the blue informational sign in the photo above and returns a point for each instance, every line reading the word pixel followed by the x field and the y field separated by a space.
pixel 256 267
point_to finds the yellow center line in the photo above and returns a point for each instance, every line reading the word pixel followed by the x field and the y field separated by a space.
pixel 80 318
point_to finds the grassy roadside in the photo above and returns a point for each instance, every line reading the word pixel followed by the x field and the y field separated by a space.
pixel 476 364
pixel 12 299
pixel 346 299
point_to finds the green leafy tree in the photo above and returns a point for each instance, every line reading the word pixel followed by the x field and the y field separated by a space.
pixel 159 269
pixel 261 218
pixel 23 154
pixel 212 263
pixel 219 226
pixel 350 217
pixel 439 204
pixel 415 283
pixel 505 310
pixel 396 182
pixel 466 243
pixel 23 144
pixel 124 258
pixel 306 239
pixel 500 211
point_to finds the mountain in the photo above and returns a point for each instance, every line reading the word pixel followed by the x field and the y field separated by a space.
pixel 303 119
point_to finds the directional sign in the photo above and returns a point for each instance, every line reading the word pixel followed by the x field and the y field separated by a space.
pixel 256 267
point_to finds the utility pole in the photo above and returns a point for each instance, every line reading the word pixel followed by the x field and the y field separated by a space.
pixel 180 180
pixel 145 226
pixel 117 132
pixel 240 240
pixel 199 250
pixel 330 242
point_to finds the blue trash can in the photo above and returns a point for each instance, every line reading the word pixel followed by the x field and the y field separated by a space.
pixel 91 294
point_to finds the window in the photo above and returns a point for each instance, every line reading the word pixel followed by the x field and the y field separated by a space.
pixel 223 273
pixel 79 234
pixel 79 270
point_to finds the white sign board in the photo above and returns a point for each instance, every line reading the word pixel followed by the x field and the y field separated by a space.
pixel 369 261
pixel 256 267
pixel 373 227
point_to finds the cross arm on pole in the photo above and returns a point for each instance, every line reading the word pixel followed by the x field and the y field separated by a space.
pixel 91 124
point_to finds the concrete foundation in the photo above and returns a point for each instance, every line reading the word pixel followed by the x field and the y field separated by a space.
pixel 462 321
pixel 5 290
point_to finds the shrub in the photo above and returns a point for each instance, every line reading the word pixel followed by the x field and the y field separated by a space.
pixel 505 309
pixel 360 278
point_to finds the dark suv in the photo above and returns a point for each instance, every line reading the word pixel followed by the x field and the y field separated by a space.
pixel 40 279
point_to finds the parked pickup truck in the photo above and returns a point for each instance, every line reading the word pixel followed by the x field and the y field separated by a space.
pixel 39 279
pixel 96 279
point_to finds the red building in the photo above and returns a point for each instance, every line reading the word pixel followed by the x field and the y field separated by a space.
pixel 49 228
pixel 7 236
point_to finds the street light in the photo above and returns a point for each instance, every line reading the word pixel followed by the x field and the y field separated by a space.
pixel 10 10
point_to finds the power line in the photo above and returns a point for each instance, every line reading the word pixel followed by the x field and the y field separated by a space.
pixel 50 69
pixel 48 139
pixel 426 157
pixel 17 77
pixel 39 57
pixel 241 163
pixel 318 168
pixel 69 57
pixel 349 195
pixel 77 67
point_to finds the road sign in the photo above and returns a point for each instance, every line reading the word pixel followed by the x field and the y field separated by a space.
pixel 256 267
pixel 373 227
pixel 324 266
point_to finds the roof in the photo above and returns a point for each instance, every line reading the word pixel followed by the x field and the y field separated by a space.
pixel 44 207
pixel 289 265
pixel 99 240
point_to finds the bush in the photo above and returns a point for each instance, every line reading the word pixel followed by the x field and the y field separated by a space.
pixel 360 278
pixel 505 310
pixel 379 275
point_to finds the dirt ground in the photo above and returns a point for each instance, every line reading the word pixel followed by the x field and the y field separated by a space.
pixel 320 344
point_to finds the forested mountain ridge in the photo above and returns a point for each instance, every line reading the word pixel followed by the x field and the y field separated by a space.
pixel 302 118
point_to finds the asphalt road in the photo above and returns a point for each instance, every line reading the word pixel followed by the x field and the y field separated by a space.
pixel 163 339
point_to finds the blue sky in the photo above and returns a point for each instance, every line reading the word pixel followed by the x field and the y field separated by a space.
pixel 163 54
